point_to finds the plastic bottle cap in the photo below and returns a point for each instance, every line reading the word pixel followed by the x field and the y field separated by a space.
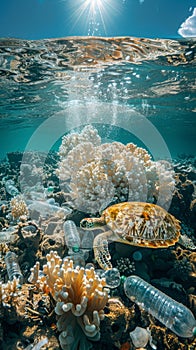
pixel 123 279
pixel 75 249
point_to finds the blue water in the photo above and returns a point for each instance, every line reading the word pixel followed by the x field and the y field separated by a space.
pixel 139 90
pixel 131 90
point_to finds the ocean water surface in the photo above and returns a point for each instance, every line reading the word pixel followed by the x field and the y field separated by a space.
pixel 120 83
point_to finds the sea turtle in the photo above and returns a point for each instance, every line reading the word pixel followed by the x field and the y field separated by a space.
pixel 135 223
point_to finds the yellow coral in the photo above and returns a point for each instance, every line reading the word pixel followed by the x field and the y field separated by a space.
pixel 79 295
pixel 9 291
pixel 18 207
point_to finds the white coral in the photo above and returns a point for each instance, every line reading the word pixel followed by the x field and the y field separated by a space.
pixel 70 141
pixel 101 173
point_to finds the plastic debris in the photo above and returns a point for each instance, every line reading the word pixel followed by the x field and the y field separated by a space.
pixel 172 314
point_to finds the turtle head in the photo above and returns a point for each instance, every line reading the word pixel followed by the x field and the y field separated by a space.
pixel 91 223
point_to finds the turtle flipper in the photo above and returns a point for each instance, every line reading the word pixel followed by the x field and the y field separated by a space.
pixel 101 252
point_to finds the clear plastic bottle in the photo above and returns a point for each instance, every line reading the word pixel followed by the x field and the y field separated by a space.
pixel 10 188
pixel 47 209
pixel 87 239
pixel 72 237
pixel 172 314
pixel 13 268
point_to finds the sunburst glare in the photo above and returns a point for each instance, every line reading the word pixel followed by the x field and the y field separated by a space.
pixel 93 16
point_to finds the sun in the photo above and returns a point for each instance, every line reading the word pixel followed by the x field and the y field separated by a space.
pixel 93 16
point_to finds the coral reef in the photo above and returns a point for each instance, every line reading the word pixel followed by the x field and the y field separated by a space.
pixel 97 174
pixel 27 312
pixel 79 297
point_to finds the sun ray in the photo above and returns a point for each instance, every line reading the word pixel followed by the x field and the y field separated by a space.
pixel 92 16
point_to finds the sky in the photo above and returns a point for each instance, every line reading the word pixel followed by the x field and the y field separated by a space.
pixel 41 19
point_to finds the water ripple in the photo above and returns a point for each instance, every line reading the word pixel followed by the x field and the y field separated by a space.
pixel 30 61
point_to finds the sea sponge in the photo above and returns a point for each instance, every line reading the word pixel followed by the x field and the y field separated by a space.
pixel 97 174
pixel 80 299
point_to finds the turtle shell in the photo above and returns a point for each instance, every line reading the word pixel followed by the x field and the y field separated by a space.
pixel 142 224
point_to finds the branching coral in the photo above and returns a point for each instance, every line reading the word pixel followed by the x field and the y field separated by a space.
pixel 70 141
pixel 100 173
pixel 9 292
pixel 80 299
pixel 18 207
